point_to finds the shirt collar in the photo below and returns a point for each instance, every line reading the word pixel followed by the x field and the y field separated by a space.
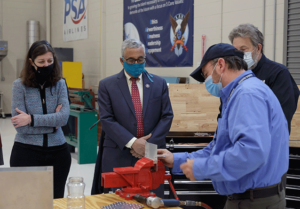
pixel 225 92
pixel 128 76
pixel 259 64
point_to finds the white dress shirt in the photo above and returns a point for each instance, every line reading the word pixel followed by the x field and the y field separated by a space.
pixel 139 83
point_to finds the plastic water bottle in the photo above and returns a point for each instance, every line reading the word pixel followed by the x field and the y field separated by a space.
pixel 75 197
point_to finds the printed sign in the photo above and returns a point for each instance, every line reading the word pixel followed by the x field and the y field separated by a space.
pixel 165 27
pixel 75 20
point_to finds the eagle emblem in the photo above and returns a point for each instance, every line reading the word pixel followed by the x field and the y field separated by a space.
pixel 179 26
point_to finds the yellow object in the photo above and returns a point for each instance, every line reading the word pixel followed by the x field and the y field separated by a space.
pixel 72 72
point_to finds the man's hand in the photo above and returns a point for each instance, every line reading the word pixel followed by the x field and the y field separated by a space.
pixel 22 119
pixel 58 109
pixel 187 169
pixel 134 154
pixel 139 145
pixel 167 159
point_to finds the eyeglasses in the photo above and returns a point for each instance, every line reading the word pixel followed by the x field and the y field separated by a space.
pixel 139 60
pixel 202 75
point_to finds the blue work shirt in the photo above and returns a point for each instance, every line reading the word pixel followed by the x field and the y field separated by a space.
pixel 251 145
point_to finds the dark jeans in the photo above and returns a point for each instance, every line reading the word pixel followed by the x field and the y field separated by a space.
pixel 273 202
pixel 59 157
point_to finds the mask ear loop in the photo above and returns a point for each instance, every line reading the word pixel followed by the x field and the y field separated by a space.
pixel 148 75
pixel 256 55
pixel 34 63
pixel 221 77
pixel 213 72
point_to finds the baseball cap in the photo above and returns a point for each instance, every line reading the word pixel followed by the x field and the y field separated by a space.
pixel 215 51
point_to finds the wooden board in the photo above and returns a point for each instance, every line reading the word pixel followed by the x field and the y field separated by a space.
pixel 26 187
pixel 97 201
pixel 295 127
pixel 196 110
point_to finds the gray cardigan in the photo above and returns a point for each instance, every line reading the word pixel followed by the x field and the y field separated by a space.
pixel 28 100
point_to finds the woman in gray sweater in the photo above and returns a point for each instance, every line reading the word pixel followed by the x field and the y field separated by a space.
pixel 39 108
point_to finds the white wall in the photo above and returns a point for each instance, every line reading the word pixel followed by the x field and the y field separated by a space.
pixel 100 52
pixel 87 50
pixel 13 17
pixel 214 18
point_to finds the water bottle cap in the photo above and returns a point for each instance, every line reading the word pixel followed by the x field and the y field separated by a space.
pixel 76 179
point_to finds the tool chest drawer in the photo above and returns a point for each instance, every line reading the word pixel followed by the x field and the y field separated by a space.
pixel 192 190
pixel 293 179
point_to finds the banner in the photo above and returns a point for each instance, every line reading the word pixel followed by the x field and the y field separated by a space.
pixel 165 27
pixel 75 20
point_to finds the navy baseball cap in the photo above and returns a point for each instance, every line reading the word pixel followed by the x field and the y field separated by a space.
pixel 215 51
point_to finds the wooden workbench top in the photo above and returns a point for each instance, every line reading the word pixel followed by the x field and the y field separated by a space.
pixel 97 201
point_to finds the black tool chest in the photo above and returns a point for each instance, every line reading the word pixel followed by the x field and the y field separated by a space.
pixel 202 191
pixel 293 179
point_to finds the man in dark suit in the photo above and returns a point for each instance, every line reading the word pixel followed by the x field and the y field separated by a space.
pixel 134 107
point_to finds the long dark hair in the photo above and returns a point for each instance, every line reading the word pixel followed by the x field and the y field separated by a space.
pixel 28 72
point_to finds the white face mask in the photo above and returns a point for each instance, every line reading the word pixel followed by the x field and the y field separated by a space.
pixel 249 60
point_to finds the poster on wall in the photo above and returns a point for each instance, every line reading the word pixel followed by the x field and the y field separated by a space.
pixel 75 20
pixel 165 27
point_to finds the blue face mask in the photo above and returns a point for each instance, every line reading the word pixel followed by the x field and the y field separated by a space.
pixel 134 69
pixel 213 88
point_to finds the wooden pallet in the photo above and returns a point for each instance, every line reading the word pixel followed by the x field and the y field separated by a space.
pixel 196 110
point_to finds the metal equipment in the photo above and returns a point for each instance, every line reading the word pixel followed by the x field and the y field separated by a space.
pixel 155 202
pixel 86 98
pixel 3 53
pixel 200 190
pixel 140 179
pixel 147 174
pixel 1 105
pixel 33 32
pixel 85 139
pixel 123 205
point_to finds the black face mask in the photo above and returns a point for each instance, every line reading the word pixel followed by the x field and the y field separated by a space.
pixel 43 73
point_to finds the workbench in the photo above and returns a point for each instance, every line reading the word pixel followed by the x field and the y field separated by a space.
pixel 86 139
pixel 97 201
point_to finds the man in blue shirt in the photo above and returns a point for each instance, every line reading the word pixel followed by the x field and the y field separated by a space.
pixel 250 151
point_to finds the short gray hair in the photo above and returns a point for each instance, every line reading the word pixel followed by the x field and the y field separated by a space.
pixel 250 31
pixel 131 43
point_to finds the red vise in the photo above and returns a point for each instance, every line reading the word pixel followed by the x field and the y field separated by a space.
pixel 140 179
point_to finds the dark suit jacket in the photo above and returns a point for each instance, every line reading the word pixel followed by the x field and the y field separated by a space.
pixel 119 121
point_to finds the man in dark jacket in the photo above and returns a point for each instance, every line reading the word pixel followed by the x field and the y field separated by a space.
pixel 247 38
pixel 134 107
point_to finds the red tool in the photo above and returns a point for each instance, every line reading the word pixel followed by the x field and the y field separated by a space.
pixel 140 179
pixel 137 182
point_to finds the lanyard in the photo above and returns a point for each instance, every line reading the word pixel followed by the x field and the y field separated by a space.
pixel 240 81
